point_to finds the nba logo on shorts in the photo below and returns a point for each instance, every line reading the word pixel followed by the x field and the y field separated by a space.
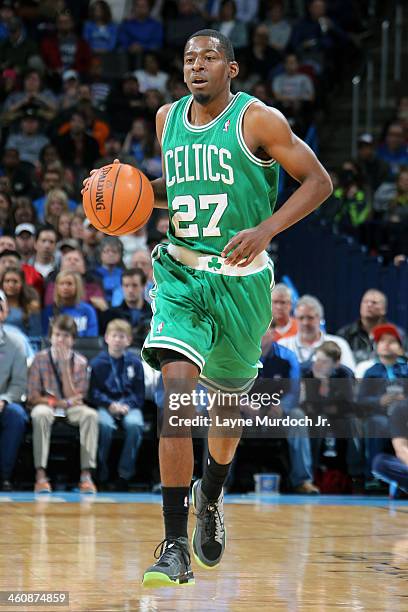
pixel 160 327
pixel 226 125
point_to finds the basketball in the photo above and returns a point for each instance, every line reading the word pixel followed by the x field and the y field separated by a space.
pixel 118 199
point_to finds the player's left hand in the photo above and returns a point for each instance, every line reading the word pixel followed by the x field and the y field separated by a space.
pixel 246 245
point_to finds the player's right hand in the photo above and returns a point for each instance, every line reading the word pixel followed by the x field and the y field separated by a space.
pixel 88 178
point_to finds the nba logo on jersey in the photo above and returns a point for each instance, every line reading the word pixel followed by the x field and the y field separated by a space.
pixel 160 327
pixel 226 126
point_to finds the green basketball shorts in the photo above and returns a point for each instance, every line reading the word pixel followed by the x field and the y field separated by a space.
pixel 212 313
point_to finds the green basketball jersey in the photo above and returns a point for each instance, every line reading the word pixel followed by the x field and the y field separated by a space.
pixel 216 186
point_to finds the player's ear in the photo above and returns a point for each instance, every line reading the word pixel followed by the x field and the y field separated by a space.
pixel 233 69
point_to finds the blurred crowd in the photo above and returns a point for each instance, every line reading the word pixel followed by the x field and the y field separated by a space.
pixel 370 197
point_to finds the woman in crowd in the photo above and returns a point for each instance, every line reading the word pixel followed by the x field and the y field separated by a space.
pixel 76 227
pixel 22 212
pixel 55 205
pixel 230 26
pixel 68 296
pixel 100 32
pixel 64 225
pixel 23 302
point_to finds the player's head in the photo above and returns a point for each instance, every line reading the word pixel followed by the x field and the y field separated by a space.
pixel 209 64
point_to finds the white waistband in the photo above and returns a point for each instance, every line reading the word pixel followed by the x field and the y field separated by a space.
pixel 214 263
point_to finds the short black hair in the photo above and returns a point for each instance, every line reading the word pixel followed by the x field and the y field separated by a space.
pixel 10 253
pixel 225 42
pixel 129 272
pixel 46 228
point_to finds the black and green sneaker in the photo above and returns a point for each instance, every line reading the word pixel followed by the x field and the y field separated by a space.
pixel 209 532
pixel 173 567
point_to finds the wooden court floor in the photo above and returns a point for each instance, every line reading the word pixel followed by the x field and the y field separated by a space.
pixel 279 557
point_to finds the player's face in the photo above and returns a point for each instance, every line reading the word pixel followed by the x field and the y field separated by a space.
pixel 206 70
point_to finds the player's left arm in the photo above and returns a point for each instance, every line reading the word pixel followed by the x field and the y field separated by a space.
pixel 267 128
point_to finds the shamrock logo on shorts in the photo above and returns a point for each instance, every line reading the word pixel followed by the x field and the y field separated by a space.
pixel 214 263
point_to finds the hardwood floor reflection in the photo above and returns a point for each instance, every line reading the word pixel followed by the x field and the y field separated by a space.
pixel 289 558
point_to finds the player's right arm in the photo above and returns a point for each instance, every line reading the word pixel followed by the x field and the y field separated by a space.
pixel 159 184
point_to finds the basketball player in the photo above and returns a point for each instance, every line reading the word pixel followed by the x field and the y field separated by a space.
pixel 212 298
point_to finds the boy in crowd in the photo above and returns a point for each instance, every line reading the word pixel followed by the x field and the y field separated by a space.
pixel 57 386
pixel 117 390
pixel 383 389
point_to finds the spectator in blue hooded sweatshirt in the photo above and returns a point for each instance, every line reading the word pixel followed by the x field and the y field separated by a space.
pixel 117 389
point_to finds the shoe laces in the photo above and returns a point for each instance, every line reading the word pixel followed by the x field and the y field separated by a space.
pixel 213 522
pixel 168 550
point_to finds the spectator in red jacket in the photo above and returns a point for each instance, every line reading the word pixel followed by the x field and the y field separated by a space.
pixel 66 50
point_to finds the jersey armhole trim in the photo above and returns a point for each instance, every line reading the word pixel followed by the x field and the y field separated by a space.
pixel 166 123
pixel 268 163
